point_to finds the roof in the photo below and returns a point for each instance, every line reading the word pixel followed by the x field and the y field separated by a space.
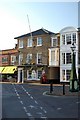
pixel 37 32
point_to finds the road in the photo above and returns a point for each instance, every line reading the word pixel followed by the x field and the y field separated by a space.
pixel 28 102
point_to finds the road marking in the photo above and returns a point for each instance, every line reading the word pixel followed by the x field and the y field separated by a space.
pixel 18 97
pixel 28 94
pixel 41 108
pixel 36 102
pixel 25 109
pixel 45 111
pixel 78 102
pixel 31 97
pixel 44 117
pixel 59 108
pixel 29 114
pixel 31 106
pixel 21 102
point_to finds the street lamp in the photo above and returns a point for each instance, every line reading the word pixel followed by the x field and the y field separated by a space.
pixel 73 78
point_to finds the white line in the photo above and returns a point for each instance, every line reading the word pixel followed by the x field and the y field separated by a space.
pixel 18 97
pixel 31 97
pixel 59 108
pixel 41 108
pixel 29 114
pixel 45 111
pixel 28 94
pixel 36 102
pixel 21 102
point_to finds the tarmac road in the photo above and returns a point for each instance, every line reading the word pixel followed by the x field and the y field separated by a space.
pixel 27 101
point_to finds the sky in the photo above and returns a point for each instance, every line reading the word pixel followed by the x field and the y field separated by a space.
pixel 52 16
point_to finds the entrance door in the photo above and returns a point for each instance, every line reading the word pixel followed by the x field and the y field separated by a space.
pixel 20 75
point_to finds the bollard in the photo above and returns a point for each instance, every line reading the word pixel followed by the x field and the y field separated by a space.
pixel 63 88
pixel 51 87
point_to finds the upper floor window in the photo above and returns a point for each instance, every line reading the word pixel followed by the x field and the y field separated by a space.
pixel 53 55
pixel 13 59
pixel 68 73
pixel 39 58
pixel 30 42
pixel 39 41
pixel 68 58
pixel 20 59
pixel 68 39
pixel 63 58
pixel 29 58
pixel 54 42
pixel 20 43
pixel 63 39
pixel 4 59
pixel 74 37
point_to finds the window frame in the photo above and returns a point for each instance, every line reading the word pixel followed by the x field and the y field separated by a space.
pixel 29 42
pixel 20 43
pixel 39 41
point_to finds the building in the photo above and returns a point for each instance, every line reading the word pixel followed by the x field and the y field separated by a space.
pixel 68 35
pixel 79 54
pixel 8 62
pixel 54 56
pixel 35 55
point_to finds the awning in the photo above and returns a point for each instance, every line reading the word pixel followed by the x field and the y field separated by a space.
pixel 9 69
pixel 1 69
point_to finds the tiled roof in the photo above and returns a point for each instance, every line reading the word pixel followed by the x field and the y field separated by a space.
pixel 37 32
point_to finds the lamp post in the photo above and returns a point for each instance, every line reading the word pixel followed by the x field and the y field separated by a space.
pixel 73 78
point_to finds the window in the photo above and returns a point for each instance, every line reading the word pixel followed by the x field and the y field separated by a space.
pixel 68 73
pixel 39 74
pixel 63 58
pixel 68 58
pixel 63 39
pixel 63 74
pixel 29 58
pixel 39 58
pixel 31 75
pixel 29 44
pixel 13 59
pixel 20 58
pixel 4 59
pixel 20 43
pixel 74 37
pixel 68 39
pixel 53 55
pixel 54 42
pixel 29 72
pixel 39 41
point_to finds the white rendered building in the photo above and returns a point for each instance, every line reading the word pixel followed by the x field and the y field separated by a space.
pixel 68 35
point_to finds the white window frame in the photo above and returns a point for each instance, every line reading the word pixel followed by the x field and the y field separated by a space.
pixel 20 58
pixel 29 42
pixel 20 43
pixel 63 39
pixel 39 41
pixel 54 41
pixel 28 58
pixel 68 38
pixel 68 58
pixel 13 59
pixel 74 40
pixel 38 58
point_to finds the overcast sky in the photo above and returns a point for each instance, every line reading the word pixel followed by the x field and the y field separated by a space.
pixel 52 16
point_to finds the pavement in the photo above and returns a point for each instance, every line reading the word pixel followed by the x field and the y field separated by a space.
pixel 57 89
